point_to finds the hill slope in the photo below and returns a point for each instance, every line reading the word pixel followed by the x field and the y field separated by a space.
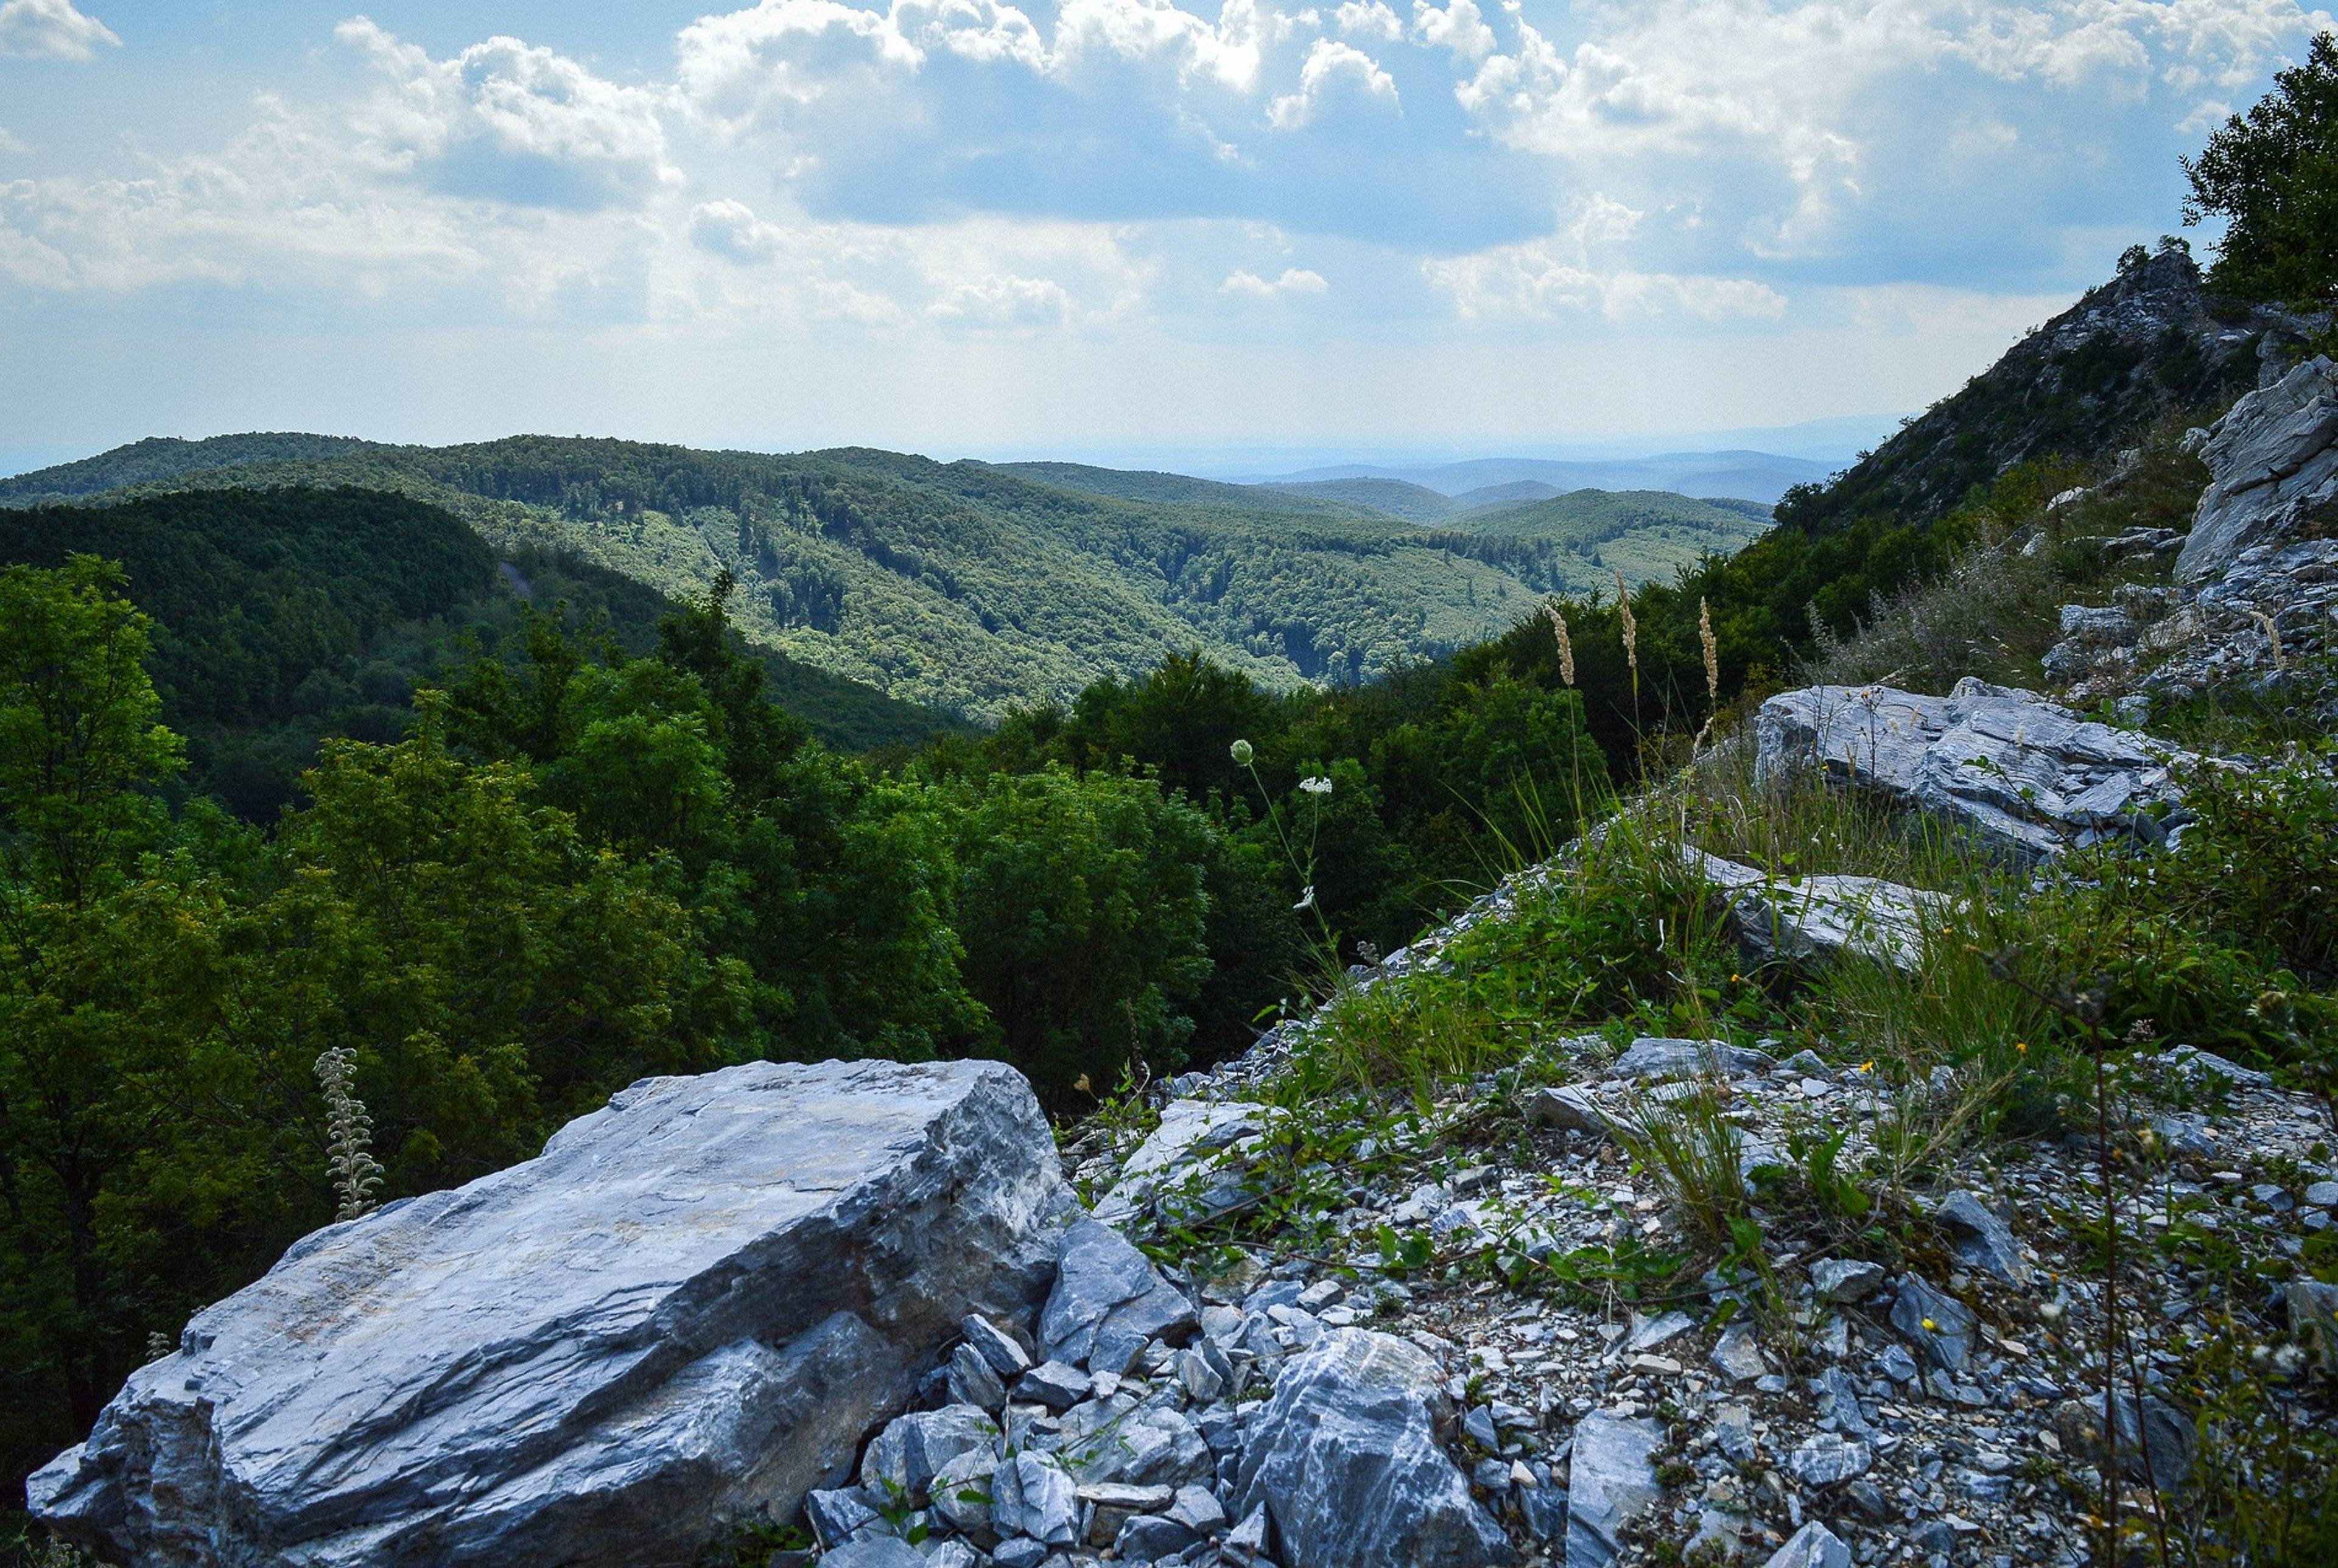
pixel 963 586
pixel 284 616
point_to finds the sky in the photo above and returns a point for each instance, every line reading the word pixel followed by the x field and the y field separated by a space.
pixel 1098 228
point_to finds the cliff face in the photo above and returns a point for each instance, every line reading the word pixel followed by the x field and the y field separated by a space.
pixel 2148 344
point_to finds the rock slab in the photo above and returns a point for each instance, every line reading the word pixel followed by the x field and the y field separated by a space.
pixel 2026 776
pixel 1345 1460
pixel 1614 1482
pixel 2271 463
pixel 684 1313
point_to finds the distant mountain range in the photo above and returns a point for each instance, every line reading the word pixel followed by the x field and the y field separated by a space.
pixel 1746 475
pixel 972 588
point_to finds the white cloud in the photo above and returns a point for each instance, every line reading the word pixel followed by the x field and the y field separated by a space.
pixel 1294 280
pixel 511 122
pixel 1003 299
pixel 1536 281
pixel 51 30
pixel 1328 64
pixel 1459 27
pixel 9 145
pixel 1361 19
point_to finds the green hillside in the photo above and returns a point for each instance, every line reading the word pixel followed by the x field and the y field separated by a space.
pixel 285 616
pixel 964 587
pixel 1397 497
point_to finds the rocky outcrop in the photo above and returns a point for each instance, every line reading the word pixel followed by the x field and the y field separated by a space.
pixel 1808 920
pixel 1190 1167
pixel 2024 775
pixel 687 1311
pixel 2273 465
pixel 1345 1460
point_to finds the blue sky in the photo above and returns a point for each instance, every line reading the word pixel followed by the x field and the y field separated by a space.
pixel 1099 228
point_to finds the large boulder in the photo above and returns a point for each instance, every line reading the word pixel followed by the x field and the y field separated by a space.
pixel 684 1313
pixel 2024 775
pixel 1345 1459
pixel 2272 464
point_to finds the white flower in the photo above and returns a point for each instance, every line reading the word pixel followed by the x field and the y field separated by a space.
pixel 1306 898
pixel 1242 753
pixel 1314 786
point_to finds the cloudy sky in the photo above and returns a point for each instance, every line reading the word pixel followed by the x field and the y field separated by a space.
pixel 1092 227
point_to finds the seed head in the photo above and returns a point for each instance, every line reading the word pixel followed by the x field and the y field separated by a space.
pixel 1566 643
pixel 1242 753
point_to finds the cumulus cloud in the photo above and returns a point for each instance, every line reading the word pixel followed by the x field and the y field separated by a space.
pixel 1003 299
pixel 1460 27
pixel 1249 285
pixel 1538 281
pixel 1330 63
pixel 511 122
pixel 1368 19
pixel 51 30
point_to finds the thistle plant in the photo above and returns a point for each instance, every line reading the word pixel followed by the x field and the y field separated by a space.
pixel 348 1133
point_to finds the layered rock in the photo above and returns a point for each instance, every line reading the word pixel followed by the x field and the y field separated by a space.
pixel 2273 464
pixel 2026 776
pixel 685 1312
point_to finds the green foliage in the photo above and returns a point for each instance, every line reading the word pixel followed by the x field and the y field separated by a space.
pixel 282 618
pixel 2272 174
pixel 1085 904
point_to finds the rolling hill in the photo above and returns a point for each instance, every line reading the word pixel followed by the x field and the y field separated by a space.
pixel 965 587
pixel 1762 476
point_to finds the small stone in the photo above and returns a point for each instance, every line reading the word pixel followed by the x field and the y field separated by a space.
pixel 1812 1546
pixel 1021 1552
pixel 1896 1364
pixel 1148 1536
pixel 1844 1280
pixel 2323 1195
pixel 1825 1459
pixel 1733 1433
pixel 1655 1331
pixel 1612 1480
pixel 1737 1356
pixel 1047 1509
pixel 873 1552
pixel 1565 1110
pixel 836 1514
pixel 1937 1324
pixel 1054 1384
pixel 1981 1239
pixel 972 1381
pixel 1198 1509
pixel 995 1345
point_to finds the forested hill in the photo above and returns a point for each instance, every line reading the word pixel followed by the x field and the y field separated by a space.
pixel 284 616
pixel 964 587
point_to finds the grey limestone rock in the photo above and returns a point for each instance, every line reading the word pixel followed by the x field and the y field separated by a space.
pixel 874 1552
pixel 2026 776
pixel 1568 1109
pixel 1826 1459
pixel 1936 1323
pixel 962 1490
pixel 1612 1481
pixel 1812 1546
pixel 1981 1239
pixel 1107 1301
pixel 1057 1386
pixel 972 1382
pixel 1344 1457
pixel 1845 1279
pixel 901 1460
pixel 686 1311
pixel 1040 1502
pixel 1818 919
pixel 995 1345
pixel 2272 462
pixel 1653 1057
pixel 1189 1163
pixel 1737 1356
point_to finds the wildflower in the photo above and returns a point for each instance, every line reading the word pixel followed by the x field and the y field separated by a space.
pixel 1315 786
pixel 2022 1046
pixel 1306 898
pixel 1566 643
pixel 1930 1326
pixel 1242 753
pixel 1867 1066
